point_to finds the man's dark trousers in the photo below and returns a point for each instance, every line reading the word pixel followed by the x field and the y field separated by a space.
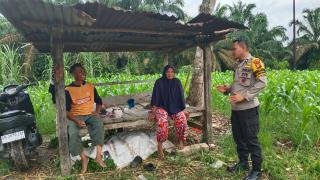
pixel 245 128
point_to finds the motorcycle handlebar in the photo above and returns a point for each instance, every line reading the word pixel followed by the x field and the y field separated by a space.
pixel 24 86
pixel 18 90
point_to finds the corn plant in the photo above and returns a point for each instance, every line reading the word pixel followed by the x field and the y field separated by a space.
pixel 10 67
pixel 290 105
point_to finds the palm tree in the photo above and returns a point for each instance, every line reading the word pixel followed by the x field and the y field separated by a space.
pixel 240 12
pixel 221 11
pixel 265 43
pixel 159 6
pixel 222 56
pixel 309 32
pixel 196 88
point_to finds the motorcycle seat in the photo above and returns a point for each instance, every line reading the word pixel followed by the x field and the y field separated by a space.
pixel 11 113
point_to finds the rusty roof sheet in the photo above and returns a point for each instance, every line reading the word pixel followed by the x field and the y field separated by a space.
pixel 96 27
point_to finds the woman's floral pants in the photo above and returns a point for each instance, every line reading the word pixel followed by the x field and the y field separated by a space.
pixel 180 125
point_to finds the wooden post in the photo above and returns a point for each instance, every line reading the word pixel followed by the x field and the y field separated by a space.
pixel 166 59
pixel 207 119
pixel 57 56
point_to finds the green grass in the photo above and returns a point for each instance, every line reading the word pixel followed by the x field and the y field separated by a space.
pixel 4 167
pixel 290 112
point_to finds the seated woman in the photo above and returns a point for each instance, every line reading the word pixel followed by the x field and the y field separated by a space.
pixel 168 100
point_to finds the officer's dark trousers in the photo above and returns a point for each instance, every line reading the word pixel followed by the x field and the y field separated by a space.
pixel 245 128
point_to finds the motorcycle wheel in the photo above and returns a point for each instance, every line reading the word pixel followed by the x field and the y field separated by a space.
pixel 18 156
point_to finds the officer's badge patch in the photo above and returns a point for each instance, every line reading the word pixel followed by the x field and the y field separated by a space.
pixel 244 74
pixel 246 69
pixel 258 67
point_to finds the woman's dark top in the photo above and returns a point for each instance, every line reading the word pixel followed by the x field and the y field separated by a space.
pixel 168 94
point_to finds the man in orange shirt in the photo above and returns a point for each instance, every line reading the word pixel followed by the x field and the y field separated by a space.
pixel 80 99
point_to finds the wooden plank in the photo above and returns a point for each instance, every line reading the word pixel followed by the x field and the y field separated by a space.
pixel 106 120
pixel 122 100
pixel 134 124
pixel 195 125
pixel 196 114
pixel 125 82
pixel 131 120
pixel 148 46
pixel 137 118
pixel 143 123
pixel 207 120
pixel 166 59
pixel 57 56
pixel 188 150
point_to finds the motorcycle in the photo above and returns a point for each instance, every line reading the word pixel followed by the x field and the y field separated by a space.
pixel 19 135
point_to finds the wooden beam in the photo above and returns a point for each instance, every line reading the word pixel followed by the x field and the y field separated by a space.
pixel 113 44
pixel 134 119
pixel 194 125
pixel 173 48
pixel 143 123
pixel 134 124
pixel 207 120
pixel 166 58
pixel 57 56
pixel 108 47
pixel 125 82
pixel 111 30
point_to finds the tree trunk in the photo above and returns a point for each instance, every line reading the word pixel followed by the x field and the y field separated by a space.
pixel 207 6
pixel 195 97
pixel 215 64
pixel 29 55
pixel 196 89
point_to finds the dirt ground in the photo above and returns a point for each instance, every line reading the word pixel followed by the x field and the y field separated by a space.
pixel 44 163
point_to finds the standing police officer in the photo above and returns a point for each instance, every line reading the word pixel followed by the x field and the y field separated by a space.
pixel 249 80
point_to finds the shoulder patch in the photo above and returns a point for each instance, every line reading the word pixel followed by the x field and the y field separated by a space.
pixel 258 67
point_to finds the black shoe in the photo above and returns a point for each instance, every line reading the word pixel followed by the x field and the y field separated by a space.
pixel 238 167
pixel 149 167
pixel 136 162
pixel 253 175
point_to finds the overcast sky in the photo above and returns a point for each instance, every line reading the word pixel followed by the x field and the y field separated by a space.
pixel 279 12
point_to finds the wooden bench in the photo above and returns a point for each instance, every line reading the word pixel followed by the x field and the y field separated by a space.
pixel 136 117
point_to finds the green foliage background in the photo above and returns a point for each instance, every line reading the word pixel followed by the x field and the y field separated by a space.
pixel 290 105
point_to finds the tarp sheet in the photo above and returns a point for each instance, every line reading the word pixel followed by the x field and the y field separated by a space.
pixel 125 146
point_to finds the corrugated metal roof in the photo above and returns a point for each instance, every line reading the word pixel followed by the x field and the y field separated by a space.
pixel 96 27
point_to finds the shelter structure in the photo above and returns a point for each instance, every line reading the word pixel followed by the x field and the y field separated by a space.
pixel 94 27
